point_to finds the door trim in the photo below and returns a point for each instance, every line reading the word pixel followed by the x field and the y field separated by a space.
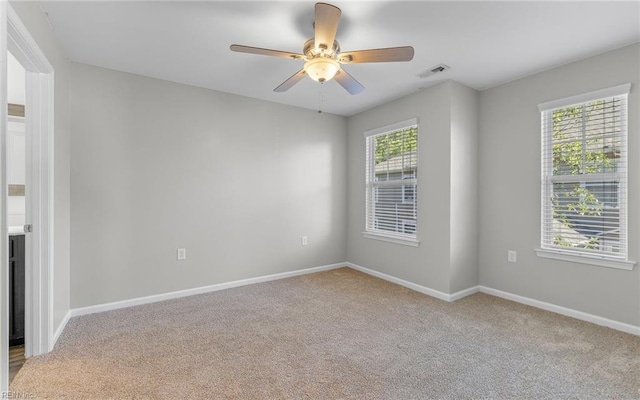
pixel 4 260
pixel 39 330
pixel 39 185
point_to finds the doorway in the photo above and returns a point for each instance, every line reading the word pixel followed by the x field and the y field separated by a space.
pixel 38 324
pixel 17 170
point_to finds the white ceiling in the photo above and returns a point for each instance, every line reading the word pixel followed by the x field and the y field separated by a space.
pixel 484 43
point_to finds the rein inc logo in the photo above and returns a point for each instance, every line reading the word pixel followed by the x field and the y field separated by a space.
pixel 16 395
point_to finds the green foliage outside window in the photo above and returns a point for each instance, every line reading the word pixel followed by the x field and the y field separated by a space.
pixel 404 141
pixel 581 146
pixel 580 155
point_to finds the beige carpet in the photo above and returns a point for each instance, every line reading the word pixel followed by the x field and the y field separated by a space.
pixel 339 334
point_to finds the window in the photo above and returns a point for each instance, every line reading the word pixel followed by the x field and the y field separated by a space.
pixel 584 178
pixel 391 182
pixel 409 191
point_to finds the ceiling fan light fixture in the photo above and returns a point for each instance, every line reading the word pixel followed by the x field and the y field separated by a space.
pixel 323 55
pixel 322 69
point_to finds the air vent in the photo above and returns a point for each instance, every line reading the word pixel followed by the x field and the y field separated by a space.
pixel 433 70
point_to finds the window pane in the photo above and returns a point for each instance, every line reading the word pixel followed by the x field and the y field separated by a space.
pixel 586 138
pixel 586 215
pixel 391 184
pixel 584 177
pixel 395 154
pixel 391 212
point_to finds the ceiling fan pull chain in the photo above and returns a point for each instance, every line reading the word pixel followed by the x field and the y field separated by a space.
pixel 320 99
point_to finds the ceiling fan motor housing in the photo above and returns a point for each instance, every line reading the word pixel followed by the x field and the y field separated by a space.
pixel 311 51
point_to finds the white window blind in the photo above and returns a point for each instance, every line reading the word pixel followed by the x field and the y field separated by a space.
pixel 392 180
pixel 584 174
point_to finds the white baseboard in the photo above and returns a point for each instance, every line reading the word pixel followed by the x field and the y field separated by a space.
pixel 414 286
pixel 199 290
pixel 620 326
pixel 635 330
pixel 617 325
pixel 58 332
pixel 464 293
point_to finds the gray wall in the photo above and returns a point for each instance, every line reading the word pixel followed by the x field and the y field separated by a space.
pixel 35 21
pixel 236 181
pixel 447 193
pixel 463 241
pixel 510 191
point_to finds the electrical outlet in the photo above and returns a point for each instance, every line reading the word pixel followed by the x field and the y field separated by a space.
pixel 512 256
pixel 182 254
pixel 303 241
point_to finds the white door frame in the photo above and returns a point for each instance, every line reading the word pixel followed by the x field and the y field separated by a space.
pixel 39 329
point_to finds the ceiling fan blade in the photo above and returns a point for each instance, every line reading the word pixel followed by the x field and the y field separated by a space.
pixel 266 52
pixel 348 82
pixel 326 24
pixel 295 78
pixel 390 54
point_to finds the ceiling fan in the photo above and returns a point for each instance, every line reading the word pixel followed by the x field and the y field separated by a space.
pixel 323 57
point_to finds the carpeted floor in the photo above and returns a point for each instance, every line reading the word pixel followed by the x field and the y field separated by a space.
pixel 339 334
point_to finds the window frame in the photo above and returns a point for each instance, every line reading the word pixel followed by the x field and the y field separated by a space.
pixel 370 231
pixel 573 254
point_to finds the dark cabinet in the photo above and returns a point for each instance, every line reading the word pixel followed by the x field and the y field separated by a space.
pixel 16 290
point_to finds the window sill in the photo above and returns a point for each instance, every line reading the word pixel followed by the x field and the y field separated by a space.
pixel 392 239
pixel 586 259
